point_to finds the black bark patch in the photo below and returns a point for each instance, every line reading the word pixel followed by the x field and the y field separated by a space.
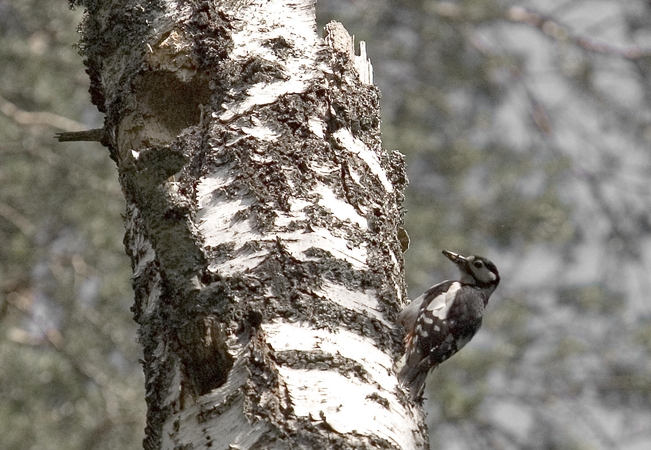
pixel 204 353
pixel 167 99
pixel 319 360
pixel 379 399
pixel 258 70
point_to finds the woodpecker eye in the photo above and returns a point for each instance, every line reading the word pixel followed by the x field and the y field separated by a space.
pixel 478 264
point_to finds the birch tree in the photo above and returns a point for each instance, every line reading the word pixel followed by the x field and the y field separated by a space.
pixel 262 223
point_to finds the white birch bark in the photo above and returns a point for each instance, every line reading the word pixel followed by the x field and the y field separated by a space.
pixel 262 222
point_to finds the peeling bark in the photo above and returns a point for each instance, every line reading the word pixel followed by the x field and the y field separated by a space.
pixel 262 223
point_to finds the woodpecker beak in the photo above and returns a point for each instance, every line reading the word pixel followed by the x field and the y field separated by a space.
pixel 456 258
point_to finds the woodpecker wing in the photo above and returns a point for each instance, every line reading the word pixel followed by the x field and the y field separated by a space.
pixel 450 314
pixel 413 366
pixel 409 315
pixel 450 334
pixel 439 302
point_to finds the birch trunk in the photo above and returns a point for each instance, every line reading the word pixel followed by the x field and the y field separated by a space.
pixel 262 220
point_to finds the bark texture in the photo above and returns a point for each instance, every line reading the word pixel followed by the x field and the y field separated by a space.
pixel 262 224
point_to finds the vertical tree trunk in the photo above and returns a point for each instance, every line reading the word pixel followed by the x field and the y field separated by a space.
pixel 262 217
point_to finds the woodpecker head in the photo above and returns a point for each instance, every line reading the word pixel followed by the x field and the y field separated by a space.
pixel 475 270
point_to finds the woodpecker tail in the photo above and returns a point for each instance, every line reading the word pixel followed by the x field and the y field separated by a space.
pixel 413 377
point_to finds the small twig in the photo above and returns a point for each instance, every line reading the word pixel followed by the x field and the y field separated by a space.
pixel 556 31
pixel 17 219
pixel 95 135
pixel 37 118
pixel 549 27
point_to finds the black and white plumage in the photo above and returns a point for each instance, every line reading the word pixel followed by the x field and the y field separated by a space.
pixel 444 319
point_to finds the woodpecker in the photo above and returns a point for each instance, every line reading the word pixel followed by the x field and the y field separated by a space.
pixel 444 319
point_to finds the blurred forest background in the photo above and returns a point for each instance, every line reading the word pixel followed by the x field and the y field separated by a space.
pixel 527 130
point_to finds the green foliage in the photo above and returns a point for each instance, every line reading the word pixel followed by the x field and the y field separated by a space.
pixel 457 401
pixel 592 299
pixel 511 314
pixel 643 335
pixel 70 376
